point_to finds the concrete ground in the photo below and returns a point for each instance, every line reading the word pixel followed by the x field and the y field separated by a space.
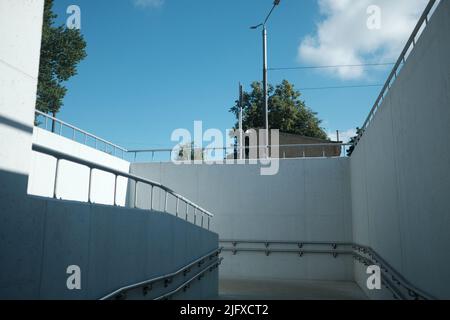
pixel 289 290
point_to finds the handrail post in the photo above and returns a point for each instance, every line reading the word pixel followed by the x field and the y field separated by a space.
pixel 178 203
pixel 135 193
pixel 165 202
pixel 151 198
pixel 90 185
pixel 55 185
pixel 115 191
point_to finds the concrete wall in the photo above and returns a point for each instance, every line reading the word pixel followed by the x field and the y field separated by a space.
pixel 113 247
pixel 308 200
pixel 73 179
pixel 400 173
pixel 20 34
pixel 40 238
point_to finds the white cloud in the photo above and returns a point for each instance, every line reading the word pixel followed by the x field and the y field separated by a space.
pixel 343 37
pixel 148 3
pixel 344 136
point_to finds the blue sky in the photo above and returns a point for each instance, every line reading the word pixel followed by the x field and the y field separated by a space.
pixel 155 66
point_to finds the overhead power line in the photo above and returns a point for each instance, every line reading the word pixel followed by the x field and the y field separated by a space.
pixel 342 87
pixel 334 66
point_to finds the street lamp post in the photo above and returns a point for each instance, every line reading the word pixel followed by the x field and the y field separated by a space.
pixel 265 84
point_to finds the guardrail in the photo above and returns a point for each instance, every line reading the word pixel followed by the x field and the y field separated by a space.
pixel 165 280
pixel 410 44
pixel 286 151
pixel 57 126
pixel 94 166
pixel 391 279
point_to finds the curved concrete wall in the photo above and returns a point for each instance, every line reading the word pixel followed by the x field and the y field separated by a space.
pixel 400 170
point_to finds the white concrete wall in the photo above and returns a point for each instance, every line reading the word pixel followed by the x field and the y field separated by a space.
pixel 114 247
pixel 308 200
pixel 20 34
pixel 73 179
pixel 39 237
pixel 400 171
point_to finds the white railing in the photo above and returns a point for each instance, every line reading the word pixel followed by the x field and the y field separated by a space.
pixel 57 126
pixel 154 185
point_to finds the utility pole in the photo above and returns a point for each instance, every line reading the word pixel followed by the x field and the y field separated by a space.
pixel 265 88
pixel 241 132
pixel 265 85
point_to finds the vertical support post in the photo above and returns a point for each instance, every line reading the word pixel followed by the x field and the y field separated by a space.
pixel 135 193
pixel 202 219
pixel 151 198
pixel 115 191
pixel 208 221
pixel 241 132
pixel 187 211
pixel 178 203
pixel 165 202
pixel 90 185
pixel 55 185
pixel 265 88
pixel 195 215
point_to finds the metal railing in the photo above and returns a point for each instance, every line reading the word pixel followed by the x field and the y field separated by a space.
pixel 94 166
pixel 57 126
pixel 167 279
pixel 410 44
pixel 286 151
pixel 391 279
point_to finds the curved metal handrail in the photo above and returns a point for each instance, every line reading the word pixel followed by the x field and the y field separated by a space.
pixel 395 276
pixel 64 156
pixel 186 284
pixel 122 290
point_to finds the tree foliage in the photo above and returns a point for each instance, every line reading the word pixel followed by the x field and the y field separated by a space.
pixel 287 112
pixel 61 50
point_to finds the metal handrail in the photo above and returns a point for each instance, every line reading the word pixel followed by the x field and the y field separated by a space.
pixel 299 243
pixel 94 166
pixel 114 147
pixel 85 133
pixel 394 73
pixel 171 275
pixel 186 284
pixel 395 276
pixel 322 146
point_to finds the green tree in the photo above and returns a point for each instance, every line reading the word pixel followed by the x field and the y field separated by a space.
pixel 287 112
pixel 61 50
